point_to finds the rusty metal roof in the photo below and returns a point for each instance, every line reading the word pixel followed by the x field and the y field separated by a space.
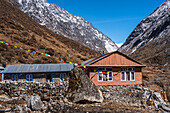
pixel 38 68
pixel 91 61
pixel 88 62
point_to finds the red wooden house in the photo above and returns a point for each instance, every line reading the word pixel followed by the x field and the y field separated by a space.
pixel 114 69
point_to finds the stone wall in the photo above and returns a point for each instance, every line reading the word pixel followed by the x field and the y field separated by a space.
pixel 23 89
pixel 137 96
pixel 132 95
pixel 129 94
pixel 22 96
pixel 19 93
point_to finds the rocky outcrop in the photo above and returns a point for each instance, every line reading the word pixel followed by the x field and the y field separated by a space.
pixel 81 89
pixel 35 103
pixel 155 98
pixel 13 2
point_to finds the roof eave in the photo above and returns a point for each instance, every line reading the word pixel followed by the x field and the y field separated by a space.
pixel 116 66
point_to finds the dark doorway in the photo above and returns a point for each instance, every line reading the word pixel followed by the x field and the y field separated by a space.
pixel 49 77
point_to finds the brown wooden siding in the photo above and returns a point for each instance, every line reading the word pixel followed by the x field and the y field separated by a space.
pixel 115 60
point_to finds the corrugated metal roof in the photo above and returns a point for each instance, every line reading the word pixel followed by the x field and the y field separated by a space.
pixel 2 68
pixel 88 61
pixel 38 68
pixel 96 60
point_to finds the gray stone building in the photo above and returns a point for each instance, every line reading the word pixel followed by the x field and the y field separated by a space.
pixel 37 72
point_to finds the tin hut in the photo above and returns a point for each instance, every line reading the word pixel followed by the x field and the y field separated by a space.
pixel 37 72
pixel 114 68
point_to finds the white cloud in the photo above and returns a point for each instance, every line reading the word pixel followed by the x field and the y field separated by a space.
pixel 119 45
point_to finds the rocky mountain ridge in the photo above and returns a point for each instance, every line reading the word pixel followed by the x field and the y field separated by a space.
pixel 62 22
pixel 153 27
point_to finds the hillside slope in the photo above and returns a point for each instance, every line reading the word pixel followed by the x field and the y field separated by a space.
pixel 62 22
pixel 149 41
pixel 18 29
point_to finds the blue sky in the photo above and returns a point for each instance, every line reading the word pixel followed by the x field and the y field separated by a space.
pixel 115 18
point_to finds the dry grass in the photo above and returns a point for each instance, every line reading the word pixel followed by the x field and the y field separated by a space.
pixel 18 29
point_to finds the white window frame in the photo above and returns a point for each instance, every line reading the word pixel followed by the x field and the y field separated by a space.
pixel 131 76
pixel 130 71
pixel 100 72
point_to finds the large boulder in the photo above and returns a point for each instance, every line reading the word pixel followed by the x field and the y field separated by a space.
pixel 35 103
pixel 81 89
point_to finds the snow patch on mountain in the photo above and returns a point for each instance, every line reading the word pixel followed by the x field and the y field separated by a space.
pixel 119 44
pixel 62 22
pixel 155 26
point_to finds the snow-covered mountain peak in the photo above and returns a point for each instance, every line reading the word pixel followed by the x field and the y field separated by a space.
pixel 62 22
pixel 153 27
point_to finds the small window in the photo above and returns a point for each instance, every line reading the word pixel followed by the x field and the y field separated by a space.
pixel 132 76
pixel 110 76
pixel 129 69
pixel 105 76
pixel 29 77
pixel 14 77
pixel 108 69
pixel 128 76
pixel 100 76
pixel 101 69
pixel 62 76
pixel 123 76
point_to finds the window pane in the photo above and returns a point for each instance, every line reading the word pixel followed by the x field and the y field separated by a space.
pixel 16 76
pixel 129 69
pixel 108 69
pixel 29 77
pixel 101 69
pixel 128 76
pixel 105 77
pixel 110 76
pixel 100 76
pixel 132 76
pixel 123 76
pixel 13 77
